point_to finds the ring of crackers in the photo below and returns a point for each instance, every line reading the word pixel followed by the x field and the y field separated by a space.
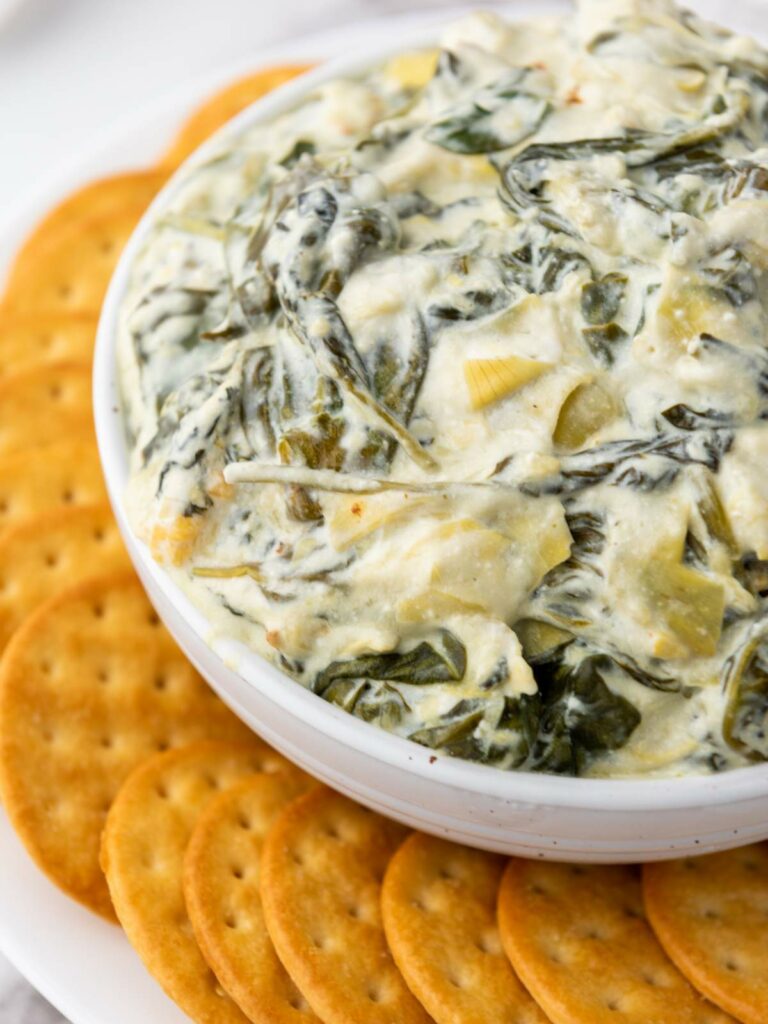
pixel 710 914
pixel 578 938
pixel 221 888
pixel 65 474
pixel 70 269
pixel 145 839
pixel 439 908
pixel 34 339
pixel 50 552
pixel 321 871
pixel 44 404
pixel 90 686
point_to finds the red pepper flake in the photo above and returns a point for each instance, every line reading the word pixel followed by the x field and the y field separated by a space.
pixel 540 65
pixel 432 759
pixel 273 638
pixel 357 509
pixel 574 96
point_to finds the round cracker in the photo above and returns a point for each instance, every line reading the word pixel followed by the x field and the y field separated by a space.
pixel 91 685
pixel 439 908
pixel 145 838
pixel 321 870
pixel 71 271
pixel 579 941
pixel 50 552
pixel 63 475
pixel 709 913
pixel 43 405
pixel 221 888
pixel 33 339
pixel 226 104
pixel 96 199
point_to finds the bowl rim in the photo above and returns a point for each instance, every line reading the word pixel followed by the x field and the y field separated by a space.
pixel 622 794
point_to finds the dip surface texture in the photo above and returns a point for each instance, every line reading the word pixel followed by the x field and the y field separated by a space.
pixel 447 392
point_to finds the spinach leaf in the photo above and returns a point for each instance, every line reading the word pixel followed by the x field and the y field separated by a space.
pixel 601 300
pixel 443 661
pixel 497 117
pixel 603 340
pixel 581 719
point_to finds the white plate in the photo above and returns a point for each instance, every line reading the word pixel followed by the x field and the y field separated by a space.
pixel 82 965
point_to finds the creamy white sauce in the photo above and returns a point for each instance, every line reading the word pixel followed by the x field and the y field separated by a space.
pixel 384 364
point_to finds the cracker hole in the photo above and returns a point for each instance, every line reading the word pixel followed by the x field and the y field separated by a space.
pixel 67 497
pixel 318 941
pixel 484 946
pixel 710 915
pixel 55 391
pixel 51 560
pixel 354 913
pixel 107 246
pixel 613 1004
pixel 419 904
pixel 297 1002
pixel 162 745
pixel 246 824
pixel 161 683
pixel 632 913
pixel 64 291
pixel 45 667
pixel 230 921
pixel 731 965
pixel 447 875
pixel 456 982
pixel 212 782
pixel 332 832
pixel 3 507
pixel 537 890
pixel 374 995
pixel 102 674
pixel 106 742
pixel 554 957
pixel 153 619
pixel 161 790
pixel 238 873
pixel 99 534
pixel 47 735
pixel 98 611
pixel 593 933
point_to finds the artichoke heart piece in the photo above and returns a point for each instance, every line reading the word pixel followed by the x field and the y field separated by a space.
pixel 688 607
pixel 412 70
pixel 490 380
pixel 586 409
pixel 541 641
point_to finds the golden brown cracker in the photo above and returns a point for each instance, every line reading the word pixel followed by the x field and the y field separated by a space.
pixel 579 941
pixel 62 475
pixel 44 405
pixel 145 838
pixel 71 270
pixel 221 888
pixel 321 870
pixel 438 903
pixel 96 199
pixel 90 685
pixel 50 552
pixel 32 339
pixel 710 914
pixel 226 104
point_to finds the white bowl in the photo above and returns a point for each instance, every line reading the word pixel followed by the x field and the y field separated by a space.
pixel 521 813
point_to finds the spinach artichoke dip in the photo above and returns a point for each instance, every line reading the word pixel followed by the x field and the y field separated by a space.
pixel 447 391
